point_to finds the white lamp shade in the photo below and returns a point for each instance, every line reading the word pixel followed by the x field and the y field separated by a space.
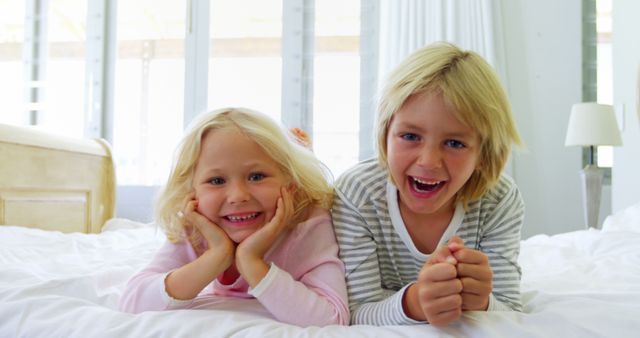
pixel 592 124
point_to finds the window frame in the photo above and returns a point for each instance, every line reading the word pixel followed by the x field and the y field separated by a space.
pixel 297 71
pixel 590 72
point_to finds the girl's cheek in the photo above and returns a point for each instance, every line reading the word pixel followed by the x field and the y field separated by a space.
pixel 205 207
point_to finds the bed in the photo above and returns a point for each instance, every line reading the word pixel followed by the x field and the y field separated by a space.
pixel 61 275
pixel 55 182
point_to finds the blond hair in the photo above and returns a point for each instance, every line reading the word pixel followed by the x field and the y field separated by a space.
pixel 297 163
pixel 470 85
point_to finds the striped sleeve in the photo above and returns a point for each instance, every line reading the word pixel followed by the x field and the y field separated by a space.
pixel 368 301
pixel 356 219
pixel 500 241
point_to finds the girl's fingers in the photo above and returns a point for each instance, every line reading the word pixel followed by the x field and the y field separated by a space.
pixel 284 209
pixel 210 230
pixel 189 204
pixel 278 215
pixel 188 198
pixel 287 204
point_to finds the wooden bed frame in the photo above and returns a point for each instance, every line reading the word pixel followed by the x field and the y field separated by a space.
pixel 54 182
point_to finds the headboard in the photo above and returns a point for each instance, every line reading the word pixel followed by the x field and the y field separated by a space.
pixel 54 182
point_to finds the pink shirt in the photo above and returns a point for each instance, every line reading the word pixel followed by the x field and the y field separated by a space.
pixel 305 284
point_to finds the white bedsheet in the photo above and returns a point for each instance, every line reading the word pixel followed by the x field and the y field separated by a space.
pixel 578 284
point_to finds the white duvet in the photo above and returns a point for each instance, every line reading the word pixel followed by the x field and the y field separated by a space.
pixel 578 284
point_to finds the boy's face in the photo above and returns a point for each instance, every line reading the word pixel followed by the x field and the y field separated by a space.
pixel 430 155
pixel 237 185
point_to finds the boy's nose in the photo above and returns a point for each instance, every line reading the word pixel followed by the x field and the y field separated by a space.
pixel 430 157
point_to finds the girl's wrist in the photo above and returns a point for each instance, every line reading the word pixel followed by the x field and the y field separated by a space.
pixel 219 257
pixel 253 269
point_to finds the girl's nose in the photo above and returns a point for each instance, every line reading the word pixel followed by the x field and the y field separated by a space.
pixel 238 193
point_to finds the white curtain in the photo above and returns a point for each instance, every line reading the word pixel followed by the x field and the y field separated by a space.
pixel 406 25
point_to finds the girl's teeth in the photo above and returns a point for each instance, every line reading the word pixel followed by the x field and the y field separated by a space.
pixel 242 218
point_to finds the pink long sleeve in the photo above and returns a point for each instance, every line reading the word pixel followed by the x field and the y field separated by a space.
pixel 306 286
pixel 146 291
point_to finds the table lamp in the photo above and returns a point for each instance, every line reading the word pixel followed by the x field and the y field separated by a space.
pixel 590 125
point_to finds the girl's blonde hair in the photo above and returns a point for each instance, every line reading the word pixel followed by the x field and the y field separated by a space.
pixel 298 164
pixel 469 85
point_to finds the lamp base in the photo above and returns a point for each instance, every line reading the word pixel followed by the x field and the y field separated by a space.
pixel 591 177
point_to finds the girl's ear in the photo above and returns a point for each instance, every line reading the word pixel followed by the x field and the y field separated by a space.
pixel 292 187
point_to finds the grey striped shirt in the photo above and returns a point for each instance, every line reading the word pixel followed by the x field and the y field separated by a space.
pixel 381 261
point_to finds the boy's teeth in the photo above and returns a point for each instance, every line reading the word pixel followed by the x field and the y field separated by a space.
pixel 425 186
pixel 426 182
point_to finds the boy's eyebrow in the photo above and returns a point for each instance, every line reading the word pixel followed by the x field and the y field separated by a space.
pixel 468 133
pixel 410 125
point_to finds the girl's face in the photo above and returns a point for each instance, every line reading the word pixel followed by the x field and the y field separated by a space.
pixel 236 184
pixel 430 155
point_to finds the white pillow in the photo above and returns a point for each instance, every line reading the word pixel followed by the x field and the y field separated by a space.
pixel 626 219
pixel 123 223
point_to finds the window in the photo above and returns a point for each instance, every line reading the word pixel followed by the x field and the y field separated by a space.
pixel 336 96
pixel 136 90
pixel 604 70
pixel 245 62
pixel 12 85
pixel 65 68
pixel 149 89
pixel 49 64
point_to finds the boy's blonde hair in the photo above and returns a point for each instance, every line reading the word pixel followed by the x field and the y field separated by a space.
pixel 470 86
pixel 297 163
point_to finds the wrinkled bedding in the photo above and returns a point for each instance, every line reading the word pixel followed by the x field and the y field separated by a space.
pixel 578 284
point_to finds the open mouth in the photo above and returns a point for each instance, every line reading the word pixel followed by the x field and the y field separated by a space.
pixel 425 186
pixel 242 218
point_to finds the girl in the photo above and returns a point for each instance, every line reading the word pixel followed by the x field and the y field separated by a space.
pixel 432 228
pixel 245 212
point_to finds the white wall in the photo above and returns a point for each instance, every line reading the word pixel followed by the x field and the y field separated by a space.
pixel 626 80
pixel 543 52
pixel 136 202
pixel 544 78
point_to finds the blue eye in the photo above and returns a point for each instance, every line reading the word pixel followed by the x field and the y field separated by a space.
pixel 217 181
pixel 257 176
pixel 410 137
pixel 454 144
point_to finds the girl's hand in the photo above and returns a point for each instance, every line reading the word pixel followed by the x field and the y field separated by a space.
pixel 216 238
pixel 476 276
pixel 250 253
pixel 190 279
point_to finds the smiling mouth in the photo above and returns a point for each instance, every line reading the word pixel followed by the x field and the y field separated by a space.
pixel 425 186
pixel 241 218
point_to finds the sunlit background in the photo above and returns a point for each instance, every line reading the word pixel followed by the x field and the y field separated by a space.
pixel 245 69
